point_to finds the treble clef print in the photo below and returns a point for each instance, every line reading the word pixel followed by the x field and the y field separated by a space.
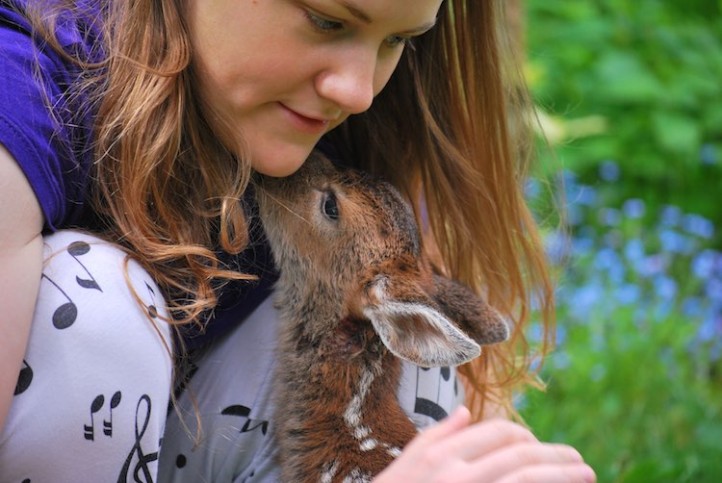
pixel 143 459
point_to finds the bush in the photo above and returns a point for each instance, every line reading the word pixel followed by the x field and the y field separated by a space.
pixel 631 99
pixel 637 83
pixel 636 380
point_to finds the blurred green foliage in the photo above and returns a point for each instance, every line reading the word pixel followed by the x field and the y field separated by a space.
pixel 635 381
pixel 638 406
pixel 639 83
pixel 630 98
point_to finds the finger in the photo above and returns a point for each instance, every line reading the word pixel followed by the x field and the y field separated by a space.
pixel 570 473
pixel 457 420
pixel 421 451
pixel 521 456
pixel 478 440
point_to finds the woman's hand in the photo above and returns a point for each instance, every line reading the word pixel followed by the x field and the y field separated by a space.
pixel 491 451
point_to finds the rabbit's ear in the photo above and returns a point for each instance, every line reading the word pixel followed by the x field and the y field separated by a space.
pixel 471 313
pixel 412 328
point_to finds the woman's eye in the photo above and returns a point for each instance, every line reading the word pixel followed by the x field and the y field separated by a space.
pixel 329 206
pixel 323 24
pixel 397 40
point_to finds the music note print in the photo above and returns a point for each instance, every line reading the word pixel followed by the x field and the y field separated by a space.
pixel 143 460
pixel 77 249
pixel 67 313
pixel 245 412
pixel 24 378
pixel 436 388
pixel 64 316
pixel 152 309
pixel 108 423
pixel 95 406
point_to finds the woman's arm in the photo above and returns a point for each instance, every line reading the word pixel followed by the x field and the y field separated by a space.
pixel 21 245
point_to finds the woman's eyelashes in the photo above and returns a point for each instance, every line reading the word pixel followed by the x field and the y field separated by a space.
pixel 399 41
pixel 323 24
pixel 327 25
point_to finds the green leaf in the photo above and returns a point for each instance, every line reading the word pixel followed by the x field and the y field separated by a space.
pixel 677 133
pixel 651 470
pixel 623 78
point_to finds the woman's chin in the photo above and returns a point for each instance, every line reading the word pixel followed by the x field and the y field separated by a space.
pixel 278 170
pixel 280 166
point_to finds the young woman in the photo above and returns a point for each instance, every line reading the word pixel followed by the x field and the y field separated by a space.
pixel 139 125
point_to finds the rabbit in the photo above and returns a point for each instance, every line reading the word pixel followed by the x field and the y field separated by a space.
pixel 355 296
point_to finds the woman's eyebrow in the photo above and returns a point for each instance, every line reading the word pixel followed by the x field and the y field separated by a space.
pixel 364 17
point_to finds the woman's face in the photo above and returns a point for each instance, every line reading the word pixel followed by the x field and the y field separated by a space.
pixel 284 72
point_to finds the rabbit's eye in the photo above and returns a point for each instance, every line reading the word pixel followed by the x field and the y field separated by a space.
pixel 329 205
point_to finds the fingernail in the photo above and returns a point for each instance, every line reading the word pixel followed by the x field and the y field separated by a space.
pixel 575 455
pixel 588 474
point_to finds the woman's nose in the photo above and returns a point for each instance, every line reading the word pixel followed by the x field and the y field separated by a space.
pixel 351 82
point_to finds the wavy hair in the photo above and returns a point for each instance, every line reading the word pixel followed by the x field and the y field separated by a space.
pixel 165 187
pixel 168 190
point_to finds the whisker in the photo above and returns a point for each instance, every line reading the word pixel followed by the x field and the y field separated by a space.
pixel 285 206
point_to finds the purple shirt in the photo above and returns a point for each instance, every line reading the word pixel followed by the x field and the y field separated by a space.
pixel 55 159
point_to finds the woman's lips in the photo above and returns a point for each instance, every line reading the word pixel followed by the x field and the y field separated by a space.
pixel 304 123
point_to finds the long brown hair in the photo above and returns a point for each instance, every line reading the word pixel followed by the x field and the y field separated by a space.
pixel 440 131
pixel 453 121
pixel 164 185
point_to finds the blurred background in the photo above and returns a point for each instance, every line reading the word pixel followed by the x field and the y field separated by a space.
pixel 630 100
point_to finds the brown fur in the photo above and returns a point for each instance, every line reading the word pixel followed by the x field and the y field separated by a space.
pixel 354 295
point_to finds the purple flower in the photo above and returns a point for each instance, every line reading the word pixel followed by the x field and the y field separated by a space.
pixel 675 242
pixel 692 307
pixel 609 262
pixel 609 171
pixel 561 360
pixel 582 245
pixel 634 250
pixel 698 225
pixel 710 329
pixel 574 215
pixel 628 294
pixel 706 264
pixel 708 155
pixel 653 265
pixel 557 244
pixel 665 287
pixel 567 179
pixel 634 208
pixel 713 290
pixel 535 333
pixel 532 188
pixel 585 195
pixel 671 216
pixel 609 216
pixel 583 300
pixel 560 335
